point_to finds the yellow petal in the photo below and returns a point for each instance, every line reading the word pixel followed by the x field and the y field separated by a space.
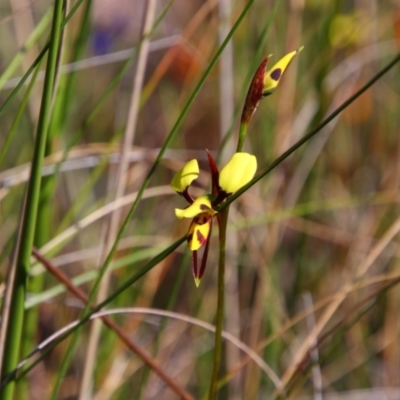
pixel 184 177
pixel 274 75
pixel 199 230
pixel 201 205
pixel 239 171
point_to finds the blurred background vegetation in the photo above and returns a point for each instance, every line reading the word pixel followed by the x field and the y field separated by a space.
pixel 313 258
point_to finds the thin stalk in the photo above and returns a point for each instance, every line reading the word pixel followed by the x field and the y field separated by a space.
pixel 21 83
pixel 222 225
pixel 14 331
pixel 242 135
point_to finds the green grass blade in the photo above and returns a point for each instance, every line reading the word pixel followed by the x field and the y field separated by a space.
pixel 14 331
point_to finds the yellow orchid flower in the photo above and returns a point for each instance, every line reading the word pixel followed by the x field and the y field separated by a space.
pixel 239 171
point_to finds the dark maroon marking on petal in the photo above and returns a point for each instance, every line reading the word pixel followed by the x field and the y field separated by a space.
pixel 255 93
pixel 205 254
pixel 200 237
pixel 276 74
pixel 189 237
pixel 204 207
pixel 202 219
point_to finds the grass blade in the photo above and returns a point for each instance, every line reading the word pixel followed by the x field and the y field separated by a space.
pixel 16 319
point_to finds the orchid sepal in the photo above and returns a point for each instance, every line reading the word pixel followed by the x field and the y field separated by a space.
pixel 214 174
pixel 201 205
pixel 255 92
pixel 185 176
pixel 198 273
pixel 273 76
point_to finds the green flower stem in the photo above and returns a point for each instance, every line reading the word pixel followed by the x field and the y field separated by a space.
pixel 242 135
pixel 222 227
pixel 222 223
pixel 14 329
